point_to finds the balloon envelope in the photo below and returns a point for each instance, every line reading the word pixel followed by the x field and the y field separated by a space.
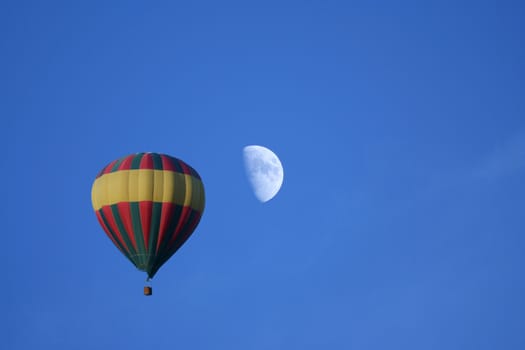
pixel 148 204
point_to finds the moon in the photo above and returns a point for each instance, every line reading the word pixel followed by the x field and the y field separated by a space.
pixel 264 171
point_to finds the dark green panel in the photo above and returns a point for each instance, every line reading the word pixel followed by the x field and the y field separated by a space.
pixel 138 234
pixel 157 161
pixel 115 238
pixel 154 233
pixel 135 163
pixel 117 164
pixel 125 236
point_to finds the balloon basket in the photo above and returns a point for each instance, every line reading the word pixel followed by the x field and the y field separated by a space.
pixel 148 290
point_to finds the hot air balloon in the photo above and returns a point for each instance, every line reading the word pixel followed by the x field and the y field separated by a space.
pixel 148 204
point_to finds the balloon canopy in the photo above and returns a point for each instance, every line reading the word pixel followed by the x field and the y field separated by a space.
pixel 148 204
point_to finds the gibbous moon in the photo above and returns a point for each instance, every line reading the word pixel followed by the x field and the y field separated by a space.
pixel 264 171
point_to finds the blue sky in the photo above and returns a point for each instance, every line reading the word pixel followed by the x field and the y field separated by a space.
pixel 401 129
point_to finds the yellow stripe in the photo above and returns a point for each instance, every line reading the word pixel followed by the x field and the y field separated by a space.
pixel 148 185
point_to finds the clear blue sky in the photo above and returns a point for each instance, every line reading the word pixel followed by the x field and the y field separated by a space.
pixel 401 129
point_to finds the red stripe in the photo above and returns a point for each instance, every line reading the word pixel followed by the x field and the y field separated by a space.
pixel 182 221
pixel 113 226
pixel 186 233
pixel 106 230
pixel 192 225
pixel 167 163
pixel 126 163
pixel 185 168
pixel 124 211
pixel 146 162
pixel 107 169
pixel 195 221
pixel 145 209
pixel 165 218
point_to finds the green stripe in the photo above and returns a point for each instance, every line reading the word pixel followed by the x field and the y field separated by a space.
pixel 170 230
pixel 117 164
pixel 125 235
pixel 176 164
pixel 166 251
pixel 185 232
pixel 115 238
pixel 183 235
pixel 138 234
pixel 135 163
pixel 164 248
pixel 157 161
pixel 153 234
